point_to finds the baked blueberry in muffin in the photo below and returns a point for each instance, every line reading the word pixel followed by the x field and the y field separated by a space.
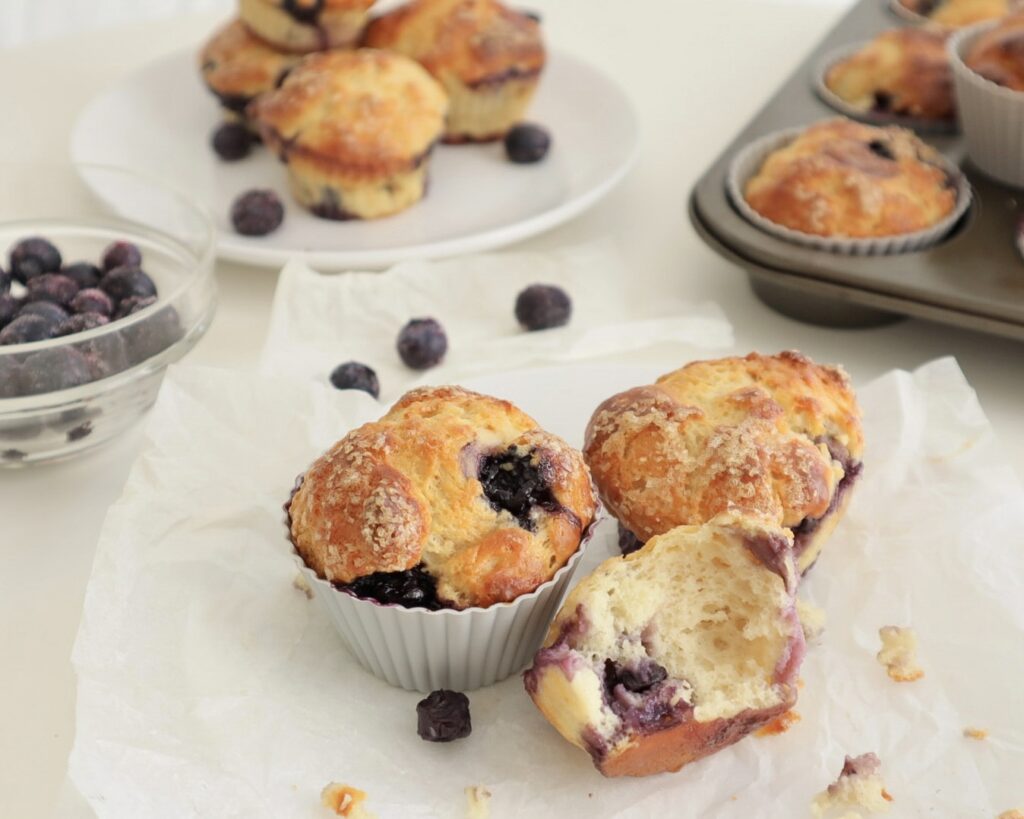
pixel 487 56
pixel 998 54
pixel 303 26
pixel 453 499
pixel 841 178
pixel 901 73
pixel 958 13
pixel 356 130
pixel 776 437
pixel 237 67
pixel 676 651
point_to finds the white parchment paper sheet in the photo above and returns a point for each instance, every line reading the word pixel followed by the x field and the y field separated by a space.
pixel 209 687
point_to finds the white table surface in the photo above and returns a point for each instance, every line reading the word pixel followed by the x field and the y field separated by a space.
pixel 696 71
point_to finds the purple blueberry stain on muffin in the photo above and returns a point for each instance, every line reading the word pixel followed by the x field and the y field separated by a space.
pixel 413 588
pixel 304 11
pixel 422 343
pixel 257 213
pixel 355 376
pixel 518 481
pixel 543 306
pixel 33 257
pixel 443 716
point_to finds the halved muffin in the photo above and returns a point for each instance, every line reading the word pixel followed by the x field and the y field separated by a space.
pixel 356 130
pixel 488 57
pixel 303 26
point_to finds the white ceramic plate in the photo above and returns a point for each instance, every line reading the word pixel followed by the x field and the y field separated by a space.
pixel 158 121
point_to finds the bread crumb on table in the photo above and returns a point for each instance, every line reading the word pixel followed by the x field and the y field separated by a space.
pixel 977 733
pixel 812 619
pixel 345 801
pixel 899 653
pixel 299 582
pixel 478 802
pixel 859 786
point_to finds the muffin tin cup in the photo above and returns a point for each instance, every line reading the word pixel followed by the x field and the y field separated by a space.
pixel 992 115
pixel 748 162
pixel 421 650
pixel 833 100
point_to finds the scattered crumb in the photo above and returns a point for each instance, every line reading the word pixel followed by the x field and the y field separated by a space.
pixel 812 619
pixel 782 723
pixel 800 683
pixel 345 801
pixel 859 786
pixel 899 653
pixel 478 802
pixel 299 582
pixel 1011 814
pixel 977 733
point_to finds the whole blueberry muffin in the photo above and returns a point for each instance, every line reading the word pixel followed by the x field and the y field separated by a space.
pixel 356 130
pixel 452 499
pixel 676 651
pixel 958 13
pixel 901 73
pixel 303 26
pixel 777 437
pixel 841 178
pixel 998 54
pixel 237 67
pixel 487 56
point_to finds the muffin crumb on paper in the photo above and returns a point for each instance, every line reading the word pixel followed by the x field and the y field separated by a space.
pixel 812 619
pixel 345 801
pixel 859 786
pixel 478 802
pixel 899 653
pixel 976 733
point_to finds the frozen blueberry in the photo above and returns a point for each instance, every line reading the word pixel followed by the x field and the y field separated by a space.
pixel 5 281
pixel 32 257
pixel 80 322
pixel 517 481
pixel 422 343
pixel 106 355
pixel 542 306
pixel 355 376
pixel 9 306
pixel 53 313
pixel 526 143
pixel 51 287
pixel 92 300
pixel 121 254
pixel 443 716
pixel 27 328
pixel 628 542
pixel 10 377
pixel 305 11
pixel 413 588
pixel 128 280
pixel 132 304
pixel 257 213
pixel 152 335
pixel 232 141
pixel 58 369
pixel 84 274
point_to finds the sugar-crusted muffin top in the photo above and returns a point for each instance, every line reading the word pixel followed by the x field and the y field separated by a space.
pixel 466 486
pixel 958 13
pixel 364 110
pixel 847 179
pixel 476 41
pixel 234 62
pixel 904 72
pixel 764 436
pixel 998 54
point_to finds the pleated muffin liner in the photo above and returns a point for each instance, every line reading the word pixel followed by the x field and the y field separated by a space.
pixel 749 161
pixel 992 115
pixel 423 650
pixel 833 100
pixel 486 113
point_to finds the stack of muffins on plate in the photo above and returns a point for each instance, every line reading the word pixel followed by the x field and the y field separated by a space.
pixel 354 107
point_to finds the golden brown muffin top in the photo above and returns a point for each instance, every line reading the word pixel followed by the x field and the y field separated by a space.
pixel 958 13
pixel 466 485
pixel 363 110
pixel 846 179
pixel 904 72
pixel 998 54
pixel 310 9
pixel 747 435
pixel 476 41
pixel 235 62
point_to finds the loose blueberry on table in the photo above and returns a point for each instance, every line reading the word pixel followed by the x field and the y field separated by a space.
pixel 422 343
pixel 527 143
pixel 543 306
pixel 257 213
pixel 443 716
pixel 355 376
pixel 232 141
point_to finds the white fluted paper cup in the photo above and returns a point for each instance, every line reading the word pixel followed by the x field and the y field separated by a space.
pixel 992 115
pixel 749 161
pixel 422 650
pixel 911 16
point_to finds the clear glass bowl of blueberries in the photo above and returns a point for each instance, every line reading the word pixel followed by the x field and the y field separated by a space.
pixel 96 299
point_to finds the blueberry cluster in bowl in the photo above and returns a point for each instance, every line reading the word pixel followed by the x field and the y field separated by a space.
pixel 43 298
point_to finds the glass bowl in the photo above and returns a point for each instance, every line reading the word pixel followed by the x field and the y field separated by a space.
pixel 65 395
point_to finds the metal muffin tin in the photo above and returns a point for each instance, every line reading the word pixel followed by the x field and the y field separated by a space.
pixel 973 279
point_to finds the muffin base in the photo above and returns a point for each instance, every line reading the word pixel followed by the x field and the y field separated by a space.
pixel 485 111
pixel 342 197
pixel 335 28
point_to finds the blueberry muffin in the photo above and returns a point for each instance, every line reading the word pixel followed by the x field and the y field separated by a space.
pixel 356 130
pixel 957 13
pixel 998 54
pixel 775 437
pixel 237 67
pixel 453 499
pixel 841 178
pixel 488 57
pixel 303 26
pixel 901 73
pixel 676 651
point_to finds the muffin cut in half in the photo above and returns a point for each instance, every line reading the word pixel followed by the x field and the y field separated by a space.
pixel 356 130
pixel 676 651
pixel 778 437
pixel 303 26
pixel 488 57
